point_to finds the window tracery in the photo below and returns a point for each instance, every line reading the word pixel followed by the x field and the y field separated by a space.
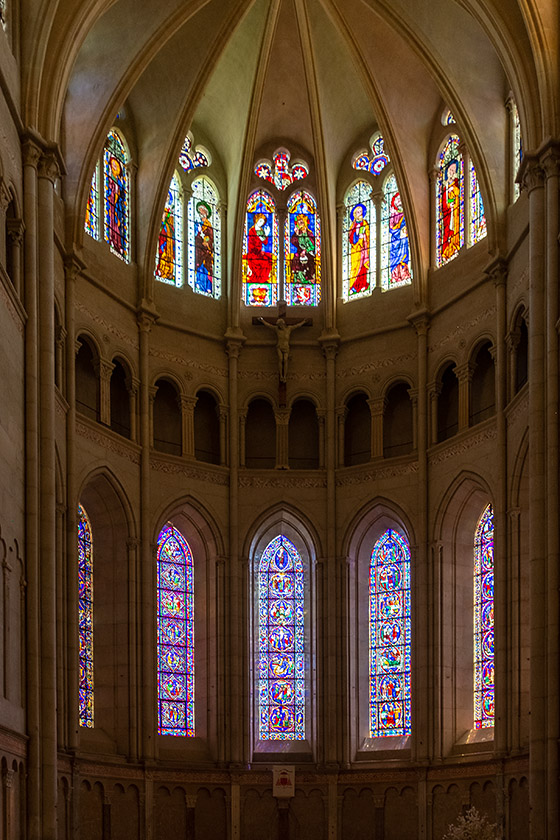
pixel 390 637
pixel 484 620
pixel 376 161
pixel 175 634
pixel 191 157
pixel 281 643
pixel 279 172
pixel 85 619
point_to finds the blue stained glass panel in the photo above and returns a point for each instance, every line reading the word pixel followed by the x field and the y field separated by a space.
pixel 175 634
pixel 281 646
pixel 85 618
pixel 395 248
pixel 116 196
pixel 484 621
pixel 204 239
pixel 389 637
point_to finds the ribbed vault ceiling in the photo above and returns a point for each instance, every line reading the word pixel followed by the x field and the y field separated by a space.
pixel 321 74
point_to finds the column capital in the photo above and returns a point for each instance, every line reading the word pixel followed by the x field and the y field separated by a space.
pixel 513 338
pixel 413 394
pixel 51 165
pixel 8 778
pixel 433 173
pixel 146 317
pixel 190 800
pixel 152 391
pixel 187 402
pixel 464 372
pixel 377 406
pixel 330 342
pixel 60 335
pixel 434 390
pixel 73 265
pixel 282 416
pixel 32 149
pixel 420 320
pixel 104 369
pixel 223 412
pixel 531 174
pixel 341 411
pixel 134 385
pixel 15 229
pixel 235 340
pixel 550 160
pixel 497 271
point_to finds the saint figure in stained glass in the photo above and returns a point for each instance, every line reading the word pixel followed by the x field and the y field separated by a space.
pixel 484 621
pixel 175 634
pixel 281 636
pixel 302 251
pixel 390 636
pixel 260 251
pixel 85 618
pixel 116 195
pixel 169 260
pixel 358 242
pixel 450 202
pixel 204 239
pixel 395 254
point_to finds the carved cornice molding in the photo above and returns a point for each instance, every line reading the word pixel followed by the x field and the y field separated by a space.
pixel 455 449
pixel 107 325
pixel 376 365
pixel 190 471
pixel 371 474
pixel 462 328
pixel 277 481
pixel 129 451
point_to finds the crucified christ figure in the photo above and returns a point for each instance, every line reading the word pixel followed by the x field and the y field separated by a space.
pixel 283 331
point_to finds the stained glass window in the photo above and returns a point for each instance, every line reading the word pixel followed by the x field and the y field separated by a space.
pixel 517 149
pixel 85 618
pixel 279 172
pixel 169 258
pixel 302 251
pixel 281 649
pixel 191 158
pixel 116 196
pixel 175 634
pixel 450 202
pixel 484 621
pixel 3 14
pixel 204 239
pixel 91 225
pixel 389 636
pixel 478 219
pixel 261 247
pixel 358 242
pixel 376 161
pixel 448 118
pixel 395 249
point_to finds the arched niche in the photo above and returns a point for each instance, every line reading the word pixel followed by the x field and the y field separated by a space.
pixel 260 435
pixel 482 403
pixel 357 431
pixel 397 421
pixel 287 523
pixel 120 398
pixel 167 418
pixel 114 565
pixel 361 537
pixel 453 567
pixel 303 436
pixel 448 403
pixel 87 378
pixel 202 536
pixel 206 428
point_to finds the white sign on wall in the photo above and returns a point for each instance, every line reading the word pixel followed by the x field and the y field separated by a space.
pixel 283 781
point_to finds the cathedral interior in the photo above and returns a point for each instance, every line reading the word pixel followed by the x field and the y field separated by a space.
pixel 279 433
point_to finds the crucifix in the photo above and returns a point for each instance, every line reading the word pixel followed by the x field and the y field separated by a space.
pixel 283 327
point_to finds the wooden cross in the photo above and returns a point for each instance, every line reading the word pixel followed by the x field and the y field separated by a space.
pixel 283 337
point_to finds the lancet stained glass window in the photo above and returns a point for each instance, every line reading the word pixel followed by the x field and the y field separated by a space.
pixel 517 149
pixel 169 259
pixel 279 172
pixel 484 621
pixel 261 246
pixel 450 202
pixel 3 19
pixel 395 250
pixel 478 218
pixel 91 224
pixel 389 636
pixel 175 634
pixel 191 158
pixel 281 648
pixel 377 161
pixel 302 251
pixel 116 196
pixel 204 239
pixel 358 243
pixel 85 618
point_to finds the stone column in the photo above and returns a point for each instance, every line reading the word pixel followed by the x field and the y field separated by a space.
pixel 133 407
pixel 104 370
pixel 60 337
pixel 49 169
pixel 497 272
pixel 146 619
pixel 14 230
pixel 152 391
pixel 222 416
pixel 242 421
pixel 236 746
pixel 464 375
pixel 341 413
pixel 221 632
pixel 379 817
pixel 377 408
pixel 190 801
pixel 282 421
pixel 186 405
pixel 551 165
pixel 31 156
pixel 7 781
pixel 330 680
pixel 434 391
pixel 512 342
pixel 539 780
